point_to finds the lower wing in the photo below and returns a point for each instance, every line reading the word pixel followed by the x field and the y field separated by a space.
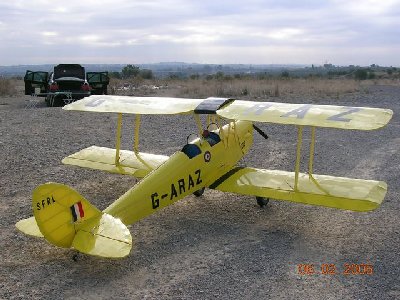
pixel 101 158
pixel 323 190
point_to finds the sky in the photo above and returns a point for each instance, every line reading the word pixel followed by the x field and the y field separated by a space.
pixel 341 32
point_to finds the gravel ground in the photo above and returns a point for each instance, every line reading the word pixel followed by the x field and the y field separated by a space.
pixel 219 246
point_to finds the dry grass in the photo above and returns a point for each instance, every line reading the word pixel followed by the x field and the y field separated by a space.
pixel 241 88
pixel 253 88
pixel 382 81
pixel 7 87
pixel 245 88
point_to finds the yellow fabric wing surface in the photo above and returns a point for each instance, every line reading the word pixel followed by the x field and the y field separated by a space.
pixel 135 105
pixel 343 117
pixel 102 158
pixel 335 192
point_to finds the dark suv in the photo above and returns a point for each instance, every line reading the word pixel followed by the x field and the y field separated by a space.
pixel 67 81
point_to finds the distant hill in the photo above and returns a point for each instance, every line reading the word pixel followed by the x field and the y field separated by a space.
pixel 160 69
pixel 20 70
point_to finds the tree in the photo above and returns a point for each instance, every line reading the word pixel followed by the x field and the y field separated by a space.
pixel 130 71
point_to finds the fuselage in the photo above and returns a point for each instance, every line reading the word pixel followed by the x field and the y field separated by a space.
pixel 197 165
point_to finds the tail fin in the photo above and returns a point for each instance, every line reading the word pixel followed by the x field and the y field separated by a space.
pixel 66 219
pixel 59 212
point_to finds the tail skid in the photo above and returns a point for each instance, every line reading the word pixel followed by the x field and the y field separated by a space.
pixel 66 219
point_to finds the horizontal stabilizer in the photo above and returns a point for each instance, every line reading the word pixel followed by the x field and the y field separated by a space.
pixel 103 236
pixel 29 227
pixel 102 158
pixel 323 190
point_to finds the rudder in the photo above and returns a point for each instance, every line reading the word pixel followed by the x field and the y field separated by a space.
pixel 59 212
pixel 66 219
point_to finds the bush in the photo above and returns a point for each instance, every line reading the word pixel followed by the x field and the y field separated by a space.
pixel 7 87
pixel 360 74
pixel 146 74
pixel 116 75
pixel 130 71
pixel 285 74
pixel 195 76
pixel 220 75
pixel 371 75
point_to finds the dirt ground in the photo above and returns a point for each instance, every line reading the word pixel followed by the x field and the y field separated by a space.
pixel 219 246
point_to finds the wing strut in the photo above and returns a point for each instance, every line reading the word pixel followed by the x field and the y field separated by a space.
pixel 312 150
pixel 311 160
pixel 118 139
pixel 136 142
pixel 298 157
pixel 199 125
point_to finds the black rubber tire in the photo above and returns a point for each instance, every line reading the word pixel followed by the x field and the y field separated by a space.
pixel 261 201
pixel 199 192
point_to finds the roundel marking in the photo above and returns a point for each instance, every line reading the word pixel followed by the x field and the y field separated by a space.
pixel 207 156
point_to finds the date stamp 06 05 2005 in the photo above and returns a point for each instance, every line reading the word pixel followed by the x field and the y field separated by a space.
pixel 332 269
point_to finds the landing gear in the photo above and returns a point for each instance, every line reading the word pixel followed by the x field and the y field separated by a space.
pixel 75 257
pixel 262 201
pixel 199 192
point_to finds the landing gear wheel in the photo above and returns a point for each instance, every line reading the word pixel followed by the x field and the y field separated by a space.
pixel 199 192
pixel 75 257
pixel 262 201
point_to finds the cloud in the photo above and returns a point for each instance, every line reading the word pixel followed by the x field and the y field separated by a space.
pixel 252 31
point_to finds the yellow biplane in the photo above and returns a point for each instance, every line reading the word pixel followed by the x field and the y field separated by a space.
pixel 66 219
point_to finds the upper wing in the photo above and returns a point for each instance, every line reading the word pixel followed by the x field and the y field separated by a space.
pixel 323 190
pixel 135 105
pixel 343 117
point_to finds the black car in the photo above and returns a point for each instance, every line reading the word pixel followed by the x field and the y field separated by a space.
pixel 66 81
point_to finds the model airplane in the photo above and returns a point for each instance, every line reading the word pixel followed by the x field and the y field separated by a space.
pixel 66 219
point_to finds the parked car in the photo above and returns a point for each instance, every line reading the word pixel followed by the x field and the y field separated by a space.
pixel 67 81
